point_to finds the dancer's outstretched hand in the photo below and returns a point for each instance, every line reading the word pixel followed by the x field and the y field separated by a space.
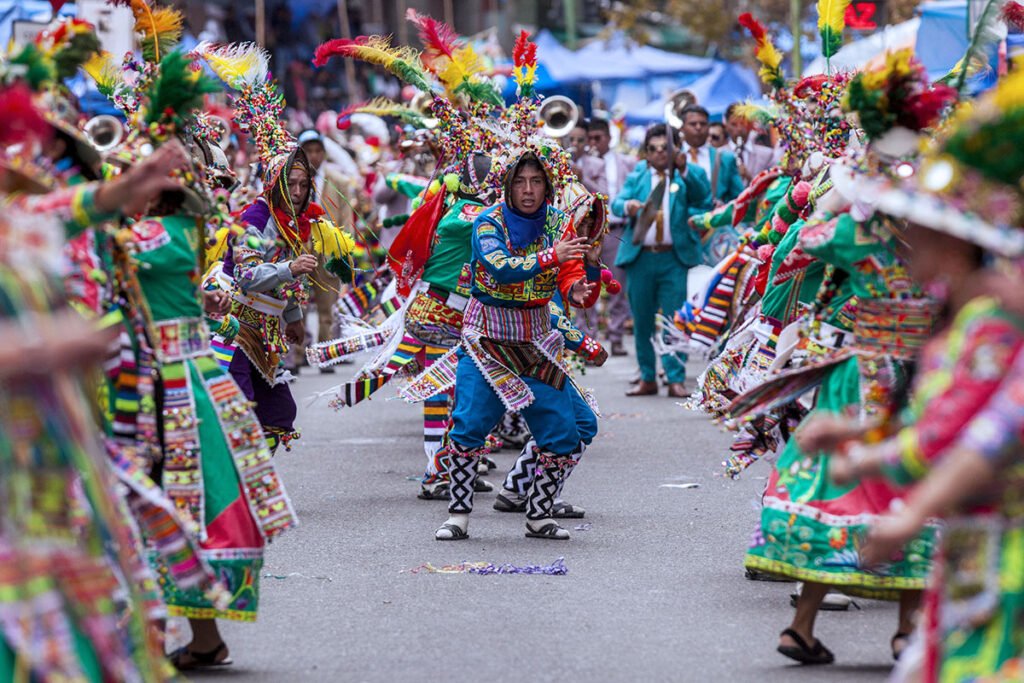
pixel 581 291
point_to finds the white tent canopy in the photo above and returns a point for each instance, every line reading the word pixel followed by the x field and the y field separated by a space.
pixel 860 53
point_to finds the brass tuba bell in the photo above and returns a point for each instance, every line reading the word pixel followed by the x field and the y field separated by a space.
pixel 677 102
pixel 558 115
pixel 105 132
pixel 422 104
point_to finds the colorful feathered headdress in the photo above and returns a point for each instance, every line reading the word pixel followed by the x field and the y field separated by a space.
pixel 970 185
pixel 524 65
pixel 403 62
pixel 455 63
pixel 175 95
pixel 259 106
pixel 898 94
pixel 70 43
pixel 764 51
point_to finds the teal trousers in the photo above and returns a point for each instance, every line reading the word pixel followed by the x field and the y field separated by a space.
pixel 655 281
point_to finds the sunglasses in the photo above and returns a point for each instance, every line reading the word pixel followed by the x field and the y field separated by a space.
pixel 716 138
pixel 654 149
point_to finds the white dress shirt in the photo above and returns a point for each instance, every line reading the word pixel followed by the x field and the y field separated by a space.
pixel 651 238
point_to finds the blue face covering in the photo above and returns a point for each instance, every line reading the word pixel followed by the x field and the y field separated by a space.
pixel 524 228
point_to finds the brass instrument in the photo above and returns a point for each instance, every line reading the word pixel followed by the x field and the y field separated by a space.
pixel 422 104
pixel 558 115
pixel 677 102
pixel 105 132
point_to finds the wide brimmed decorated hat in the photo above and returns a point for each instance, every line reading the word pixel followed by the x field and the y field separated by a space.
pixel 895 105
pixel 970 185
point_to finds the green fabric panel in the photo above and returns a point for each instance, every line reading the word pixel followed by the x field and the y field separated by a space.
pixel 979 652
pixel 221 485
pixel 777 299
pixel 407 185
pixel 453 249
pixel 87 657
pixel 806 548
pixel 168 273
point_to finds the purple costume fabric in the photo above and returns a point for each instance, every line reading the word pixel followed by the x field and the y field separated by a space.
pixel 275 406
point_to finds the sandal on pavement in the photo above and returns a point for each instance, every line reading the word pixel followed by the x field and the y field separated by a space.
pixel 564 510
pixel 184 659
pixel 509 502
pixel 905 637
pixel 802 652
pixel 439 492
pixel 549 530
pixel 450 532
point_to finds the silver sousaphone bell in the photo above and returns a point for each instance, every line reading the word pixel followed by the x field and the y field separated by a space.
pixel 558 115
pixel 422 104
pixel 105 132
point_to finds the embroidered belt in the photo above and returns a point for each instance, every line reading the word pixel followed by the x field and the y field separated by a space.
pixel 894 327
pixel 263 303
pixel 181 338
pixel 484 328
pixel 507 324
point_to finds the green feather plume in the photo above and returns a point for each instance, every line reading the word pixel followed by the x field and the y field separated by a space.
pixel 32 65
pixel 177 91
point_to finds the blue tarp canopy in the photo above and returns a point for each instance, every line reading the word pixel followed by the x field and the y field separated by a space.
pixel 649 61
pixel 724 84
pixel 26 10
pixel 625 71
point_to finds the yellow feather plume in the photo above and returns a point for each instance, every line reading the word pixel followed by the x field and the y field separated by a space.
pixel 161 28
pixel 332 242
pixel 1009 92
pixel 831 22
pixel 237 64
pixel 104 69
pixel 465 64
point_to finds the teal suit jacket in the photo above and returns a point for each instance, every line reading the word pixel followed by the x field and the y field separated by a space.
pixel 730 182
pixel 692 195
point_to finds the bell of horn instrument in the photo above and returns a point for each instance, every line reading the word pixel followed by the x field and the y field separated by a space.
pixel 221 128
pixel 558 115
pixel 422 104
pixel 677 102
pixel 105 132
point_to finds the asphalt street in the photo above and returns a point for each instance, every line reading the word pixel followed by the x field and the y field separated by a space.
pixel 655 589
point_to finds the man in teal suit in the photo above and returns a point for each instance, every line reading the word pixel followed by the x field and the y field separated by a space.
pixel 658 248
pixel 718 163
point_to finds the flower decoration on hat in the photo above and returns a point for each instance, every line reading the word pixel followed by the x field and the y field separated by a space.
pixel 971 185
pixel 898 94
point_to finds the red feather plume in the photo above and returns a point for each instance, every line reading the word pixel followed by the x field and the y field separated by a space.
pixel 524 53
pixel 756 28
pixel 1013 14
pixel 22 121
pixel 339 47
pixel 438 38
